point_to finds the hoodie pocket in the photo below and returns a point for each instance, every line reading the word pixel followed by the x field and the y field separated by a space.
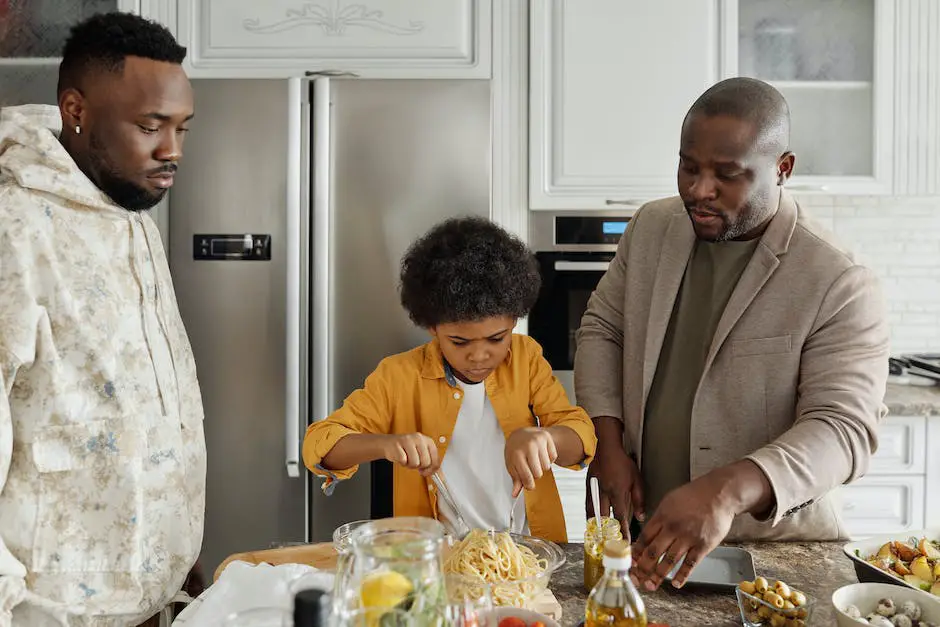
pixel 91 497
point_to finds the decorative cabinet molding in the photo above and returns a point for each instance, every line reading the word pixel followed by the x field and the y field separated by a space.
pixel 607 97
pixel 163 11
pixel 917 98
pixel 373 38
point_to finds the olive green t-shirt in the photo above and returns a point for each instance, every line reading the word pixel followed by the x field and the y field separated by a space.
pixel 710 277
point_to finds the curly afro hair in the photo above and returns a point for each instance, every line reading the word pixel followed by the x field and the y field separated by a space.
pixel 467 269
pixel 103 41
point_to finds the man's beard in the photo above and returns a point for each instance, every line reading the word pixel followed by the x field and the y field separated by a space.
pixel 747 221
pixel 124 193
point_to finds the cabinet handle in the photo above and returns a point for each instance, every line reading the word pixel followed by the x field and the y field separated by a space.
pixel 630 202
pixel 808 188
pixel 331 74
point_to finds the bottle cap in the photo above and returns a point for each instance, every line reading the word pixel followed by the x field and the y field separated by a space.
pixel 617 549
pixel 617 555
pixel 312 608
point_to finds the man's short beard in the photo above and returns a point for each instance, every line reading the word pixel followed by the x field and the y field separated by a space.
pixel 122 192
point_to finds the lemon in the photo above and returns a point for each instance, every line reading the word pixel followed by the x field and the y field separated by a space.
pixel 385 589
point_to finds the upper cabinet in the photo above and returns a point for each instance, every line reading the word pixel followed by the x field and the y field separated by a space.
pixel 833 61
pixel 32 35
pixel 372 38
pixel 610 81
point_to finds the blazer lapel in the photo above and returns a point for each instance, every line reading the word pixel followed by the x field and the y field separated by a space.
pixel 760 268
pixel 673 259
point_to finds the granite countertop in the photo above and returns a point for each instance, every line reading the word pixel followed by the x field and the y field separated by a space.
pixel 816 568
pixel 913 400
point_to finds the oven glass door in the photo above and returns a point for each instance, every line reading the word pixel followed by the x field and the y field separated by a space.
pixel 568 280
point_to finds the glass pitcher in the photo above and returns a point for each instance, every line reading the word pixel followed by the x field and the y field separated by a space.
pixel 394 563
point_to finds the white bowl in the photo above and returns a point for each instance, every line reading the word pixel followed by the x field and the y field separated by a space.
pixel 865 597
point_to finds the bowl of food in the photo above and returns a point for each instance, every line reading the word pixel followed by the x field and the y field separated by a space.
pixel 913 562
pixel 514 617
pixel 515 569
pixel 884 605
pixel 769 603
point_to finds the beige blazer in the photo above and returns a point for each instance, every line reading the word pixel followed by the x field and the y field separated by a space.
pixel 794 378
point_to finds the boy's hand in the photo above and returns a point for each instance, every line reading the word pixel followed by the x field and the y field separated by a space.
pixel 530 452
pixel 412 450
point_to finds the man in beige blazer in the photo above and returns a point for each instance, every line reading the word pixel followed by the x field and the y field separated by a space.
pixel 734 357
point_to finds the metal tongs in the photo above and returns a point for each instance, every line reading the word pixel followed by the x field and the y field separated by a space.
pixel 454 522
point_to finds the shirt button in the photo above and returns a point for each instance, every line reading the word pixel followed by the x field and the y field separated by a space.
pixel 457 395
pixel 442 439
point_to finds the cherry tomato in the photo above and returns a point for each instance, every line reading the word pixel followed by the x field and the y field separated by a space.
pixel 512 621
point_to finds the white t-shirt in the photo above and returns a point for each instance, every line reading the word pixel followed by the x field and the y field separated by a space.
pixel 475 467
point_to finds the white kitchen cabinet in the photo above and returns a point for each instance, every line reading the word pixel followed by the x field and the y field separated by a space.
pixel 862 78
pixel 899 491
pixel 833 61
pixel 372 38
pixel 162 11
pixel 610 82
pixel 571 489
pixel 883 504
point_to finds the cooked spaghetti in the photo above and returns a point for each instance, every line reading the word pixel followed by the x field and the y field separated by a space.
pixel 513 573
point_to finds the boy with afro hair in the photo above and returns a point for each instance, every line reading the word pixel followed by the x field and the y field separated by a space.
pixel 477 402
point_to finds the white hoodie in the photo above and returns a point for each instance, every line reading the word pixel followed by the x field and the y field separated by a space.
pixel 102 452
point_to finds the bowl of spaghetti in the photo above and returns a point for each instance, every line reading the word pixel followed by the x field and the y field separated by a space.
pixel 514 568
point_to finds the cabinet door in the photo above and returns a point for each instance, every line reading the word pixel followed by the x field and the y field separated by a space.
pixel 374 38
pixel 883 505
pixel 572 492
pixel 833 61
pixel 611 81
pixel 902 446
pixel 32 35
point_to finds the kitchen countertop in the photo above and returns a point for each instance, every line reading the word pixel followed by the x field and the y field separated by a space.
pixel 816 568
pixel 913 400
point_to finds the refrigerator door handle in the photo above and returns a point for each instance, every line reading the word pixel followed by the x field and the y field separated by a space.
pixel 321 264
pixel 295 402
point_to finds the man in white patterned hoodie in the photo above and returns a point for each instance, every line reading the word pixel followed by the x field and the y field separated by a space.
pixel 102 452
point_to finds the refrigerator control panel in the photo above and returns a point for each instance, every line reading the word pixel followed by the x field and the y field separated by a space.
pixel 232 247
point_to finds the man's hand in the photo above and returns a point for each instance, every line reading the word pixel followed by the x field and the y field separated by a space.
pixel 530 453
pixel 412 450
pixel 617 476
pixel 693 519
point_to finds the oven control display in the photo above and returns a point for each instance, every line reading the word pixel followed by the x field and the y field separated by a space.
pixel 590 229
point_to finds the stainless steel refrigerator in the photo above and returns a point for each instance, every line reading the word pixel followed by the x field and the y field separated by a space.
pixel 291 210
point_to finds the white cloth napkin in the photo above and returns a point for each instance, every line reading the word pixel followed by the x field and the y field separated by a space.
pixel 243 586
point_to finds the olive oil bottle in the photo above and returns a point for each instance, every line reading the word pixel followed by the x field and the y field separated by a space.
pixel 615 601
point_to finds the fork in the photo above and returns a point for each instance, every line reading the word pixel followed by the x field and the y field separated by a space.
pixel 457 527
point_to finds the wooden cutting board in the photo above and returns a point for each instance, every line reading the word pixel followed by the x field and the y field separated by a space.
pixel 322 556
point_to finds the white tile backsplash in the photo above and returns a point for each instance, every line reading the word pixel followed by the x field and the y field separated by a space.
pixel 899 238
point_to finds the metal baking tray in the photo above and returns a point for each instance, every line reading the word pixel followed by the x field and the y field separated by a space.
pixel 722 569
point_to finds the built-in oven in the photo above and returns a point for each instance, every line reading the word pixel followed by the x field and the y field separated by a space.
pixel 574 250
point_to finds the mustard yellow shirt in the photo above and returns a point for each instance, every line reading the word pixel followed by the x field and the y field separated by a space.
pixel 412 392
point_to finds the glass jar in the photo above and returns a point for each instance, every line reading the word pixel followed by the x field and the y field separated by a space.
pixel 596 537
pixel 394 563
